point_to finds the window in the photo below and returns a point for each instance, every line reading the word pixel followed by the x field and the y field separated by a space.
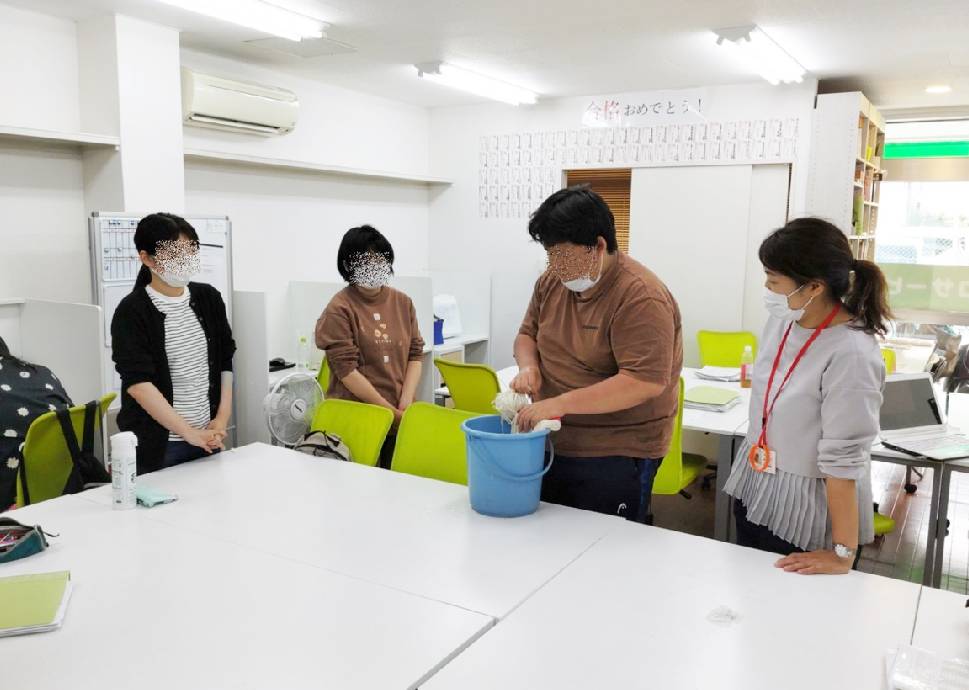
pixel 922 243
pixel 613 187
pixel 924 223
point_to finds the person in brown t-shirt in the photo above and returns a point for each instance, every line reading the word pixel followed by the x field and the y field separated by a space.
pixel 600 347
pixel 369 331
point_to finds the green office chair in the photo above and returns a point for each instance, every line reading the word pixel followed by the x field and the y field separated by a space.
pixel 323 376
pixel 47 462
pixel 891 360
pixel 430 443
pixel 678 469
pixel 362 427
pixel 724 349
pixel 883 524
pixel 473 387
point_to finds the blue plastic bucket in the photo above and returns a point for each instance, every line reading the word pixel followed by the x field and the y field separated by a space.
pixel 505 470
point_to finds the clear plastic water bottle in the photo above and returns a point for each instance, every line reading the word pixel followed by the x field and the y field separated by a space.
pixel 303 353
pixel 747 367
pixel 124 464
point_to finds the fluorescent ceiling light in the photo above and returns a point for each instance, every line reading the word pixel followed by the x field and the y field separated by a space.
pixel 255 14
pixel 761 54
pixel 458 78
pixel 938 88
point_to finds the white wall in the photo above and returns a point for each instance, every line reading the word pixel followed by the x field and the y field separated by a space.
pixel 467 240
pixel 38 71
pixel 43 235
pixel 149 90
pixel 462 240
pixel 287 226
pixel 336 126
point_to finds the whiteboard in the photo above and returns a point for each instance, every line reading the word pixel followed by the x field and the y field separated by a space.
pixel 115 265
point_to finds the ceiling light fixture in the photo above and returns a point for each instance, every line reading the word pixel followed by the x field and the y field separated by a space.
pixel 255 14
pixel 459 78
pixel 938 88
pixel 761 54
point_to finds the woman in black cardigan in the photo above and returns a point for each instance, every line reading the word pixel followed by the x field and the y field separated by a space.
pixel 173 348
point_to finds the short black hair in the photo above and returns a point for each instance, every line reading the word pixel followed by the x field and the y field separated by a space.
pixel 574 214
pixel 361 240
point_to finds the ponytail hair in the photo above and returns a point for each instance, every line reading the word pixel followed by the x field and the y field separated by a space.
pixel 809 249
pixel 156 228
pixel 867 298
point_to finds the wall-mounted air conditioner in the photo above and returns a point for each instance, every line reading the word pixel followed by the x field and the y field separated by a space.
pixel 237 106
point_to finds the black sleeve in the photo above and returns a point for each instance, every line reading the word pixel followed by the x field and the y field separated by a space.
pixel 223 331
pixel 130 348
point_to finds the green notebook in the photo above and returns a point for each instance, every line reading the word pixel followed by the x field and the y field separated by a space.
pixel 33 603
pixel 708 395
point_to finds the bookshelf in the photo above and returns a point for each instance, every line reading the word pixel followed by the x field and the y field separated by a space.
pixel 846 167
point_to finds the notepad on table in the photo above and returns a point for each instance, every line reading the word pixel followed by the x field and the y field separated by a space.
pixel 723 374
pixel 33 603
pixel 710 399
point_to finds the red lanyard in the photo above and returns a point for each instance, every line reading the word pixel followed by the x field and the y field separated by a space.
pixel 759 457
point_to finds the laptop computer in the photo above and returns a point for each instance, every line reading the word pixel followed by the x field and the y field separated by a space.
pixel 912 422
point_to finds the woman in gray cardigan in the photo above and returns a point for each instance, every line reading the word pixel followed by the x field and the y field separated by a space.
pixel 802 479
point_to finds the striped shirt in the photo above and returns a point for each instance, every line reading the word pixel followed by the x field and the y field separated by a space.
pixel 187 352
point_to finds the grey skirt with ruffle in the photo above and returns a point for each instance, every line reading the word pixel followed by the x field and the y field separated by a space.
pixel 794 507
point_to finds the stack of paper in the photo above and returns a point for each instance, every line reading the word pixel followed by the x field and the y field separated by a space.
pixel 722 374
pixel 711 399
pixel 33 603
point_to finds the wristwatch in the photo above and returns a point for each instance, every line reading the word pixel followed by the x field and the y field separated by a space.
pixel 843 552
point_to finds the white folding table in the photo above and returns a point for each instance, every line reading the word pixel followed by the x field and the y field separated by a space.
pixel 942 624
pixel 412 534
pixel 635 611
pixel 156 607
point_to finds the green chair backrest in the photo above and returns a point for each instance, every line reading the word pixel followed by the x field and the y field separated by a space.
pixel 724 349
pixel 891 360
pixel 669 477
pixel 323 376
pixel 361 426
pixel 473 387
pixel 431 444
pixel 47 459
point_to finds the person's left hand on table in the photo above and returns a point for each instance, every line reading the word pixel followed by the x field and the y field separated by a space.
pixel 529 416
pixel 814 563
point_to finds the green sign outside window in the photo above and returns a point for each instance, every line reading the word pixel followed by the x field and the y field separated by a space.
pixel 928 288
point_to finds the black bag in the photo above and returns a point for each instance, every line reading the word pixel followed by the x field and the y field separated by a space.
pixel 86 468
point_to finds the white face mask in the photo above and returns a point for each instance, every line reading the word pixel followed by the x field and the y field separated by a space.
pixel 580 284
pixel 172 280
pixel 179 273
pixel 779 306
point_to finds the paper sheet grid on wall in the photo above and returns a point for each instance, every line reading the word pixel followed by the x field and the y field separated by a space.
pixel 518 170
